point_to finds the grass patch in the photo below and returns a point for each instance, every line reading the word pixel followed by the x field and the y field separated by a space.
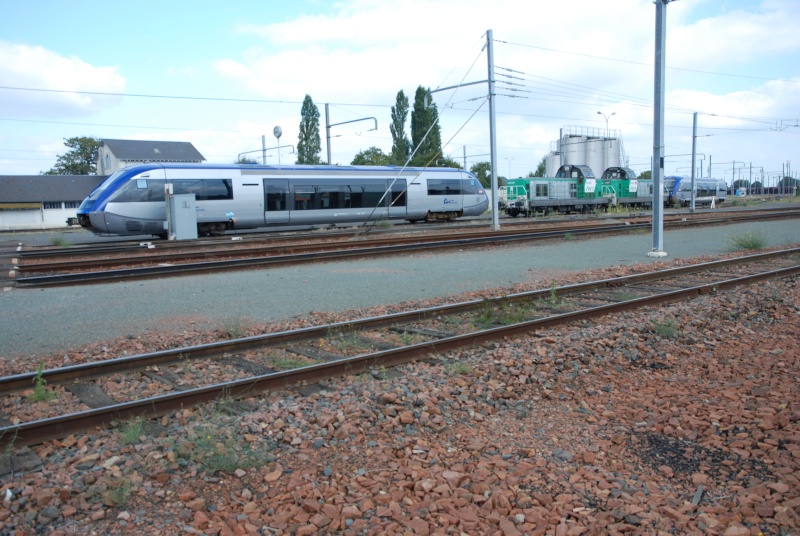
pixel 747 241
pixel 569 237
pixel 132 431
pixel 40 391
pixel 346 341
pixel 666 329
pixel 288 363
pixel 458 367
pixel 214 447
pixel 119 492
pixel 383 224
pixel 235 328
pixel 59 241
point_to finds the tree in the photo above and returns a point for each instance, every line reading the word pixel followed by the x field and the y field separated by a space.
pixel 446 161
pixel 80 160
pixel 309 145
pixel 401 147
pixel 483 170
pixel 426 137
pixel 541 169
pixel 246 160
pixel 372 157
pixel 644 175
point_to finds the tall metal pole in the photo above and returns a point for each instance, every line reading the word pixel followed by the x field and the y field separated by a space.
pixel 492 126
pixel 264 149
pixel 658 131
pixel 694 155
pixel 328 132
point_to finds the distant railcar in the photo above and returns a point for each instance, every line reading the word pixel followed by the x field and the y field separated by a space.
pixel 132 200
pixel 678 190
pixel 576 189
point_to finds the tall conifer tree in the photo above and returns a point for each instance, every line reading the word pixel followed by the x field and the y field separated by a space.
pixel 425 119
pixel 309 145
pixel 401 147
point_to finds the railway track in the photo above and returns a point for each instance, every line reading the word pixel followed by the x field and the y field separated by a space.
pixel 39 268
pixel 156 384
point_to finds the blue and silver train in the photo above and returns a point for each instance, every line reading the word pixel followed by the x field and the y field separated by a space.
pixel 678 190
pixel 132 201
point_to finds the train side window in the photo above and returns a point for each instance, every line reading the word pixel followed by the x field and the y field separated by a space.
pixel 541 190
pixel 304 197
pixel 331 196
pixel 217 190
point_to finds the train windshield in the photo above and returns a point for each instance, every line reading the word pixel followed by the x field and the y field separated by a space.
pixel 97 191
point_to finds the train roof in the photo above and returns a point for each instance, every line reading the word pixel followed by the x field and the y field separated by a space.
pixel 274 167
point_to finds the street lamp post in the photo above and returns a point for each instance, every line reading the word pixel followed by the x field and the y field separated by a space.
pixel 606 118
pixel 607 134
pixel 509 166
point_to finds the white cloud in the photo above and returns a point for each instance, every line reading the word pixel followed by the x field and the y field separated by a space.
pixel 24 66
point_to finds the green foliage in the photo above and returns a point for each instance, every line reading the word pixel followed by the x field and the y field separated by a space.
pixel 750 240
pixel 80 160
pixel 40 391
pixel 131 432
pixel 459 367
pixel 426 135
pixel 235 328
pixel 246 160
pixel 59 241
pixel 309 145
pixel 372 157
pixel 541 169
pixel 401 146
pixel 483 170
pixel 666 329
pixel 446 161
pixel 644 175
pixel 120 491
pixel 217 448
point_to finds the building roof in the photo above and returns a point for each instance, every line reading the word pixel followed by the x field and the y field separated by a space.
pixel 44 188
pixel 153 151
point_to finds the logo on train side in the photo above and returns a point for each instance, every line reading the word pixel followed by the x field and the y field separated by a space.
pixel 449 201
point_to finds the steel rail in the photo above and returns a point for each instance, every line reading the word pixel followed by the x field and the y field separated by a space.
pixel 284 249
pixel 37 431
pixel 291 259
pixel 225 241
pixel 317 253
pixel 97 369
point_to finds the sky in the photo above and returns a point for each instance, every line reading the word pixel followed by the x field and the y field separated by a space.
pixel 223 75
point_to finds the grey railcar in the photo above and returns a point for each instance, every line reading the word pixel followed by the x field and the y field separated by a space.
pixel 228 197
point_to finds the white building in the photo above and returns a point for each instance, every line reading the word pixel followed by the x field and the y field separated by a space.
pixel 113 155
pixel 35 202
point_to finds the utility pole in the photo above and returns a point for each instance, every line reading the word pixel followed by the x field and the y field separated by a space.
pixel 694 154
pixel 492 130
pixel 658 130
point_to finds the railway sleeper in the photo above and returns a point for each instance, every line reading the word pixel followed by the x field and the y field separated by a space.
pixel 313 353
pixel 168 378
pixel 432 333
pixel 248 366
pixel 91 394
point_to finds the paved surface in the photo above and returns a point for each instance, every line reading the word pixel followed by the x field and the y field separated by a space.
pixel 44 321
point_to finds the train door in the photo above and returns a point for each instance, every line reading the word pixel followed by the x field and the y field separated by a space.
pixel 276 201
pixel 398 203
